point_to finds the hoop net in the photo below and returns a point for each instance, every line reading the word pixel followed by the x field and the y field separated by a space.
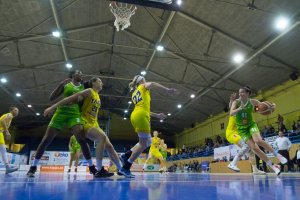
pixel 122 12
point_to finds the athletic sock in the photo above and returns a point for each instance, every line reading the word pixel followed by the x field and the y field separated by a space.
pixel 128 154
pixel 127 165
pixel 235 160
pixel 99 164
pixel 35 162
pixel 89 162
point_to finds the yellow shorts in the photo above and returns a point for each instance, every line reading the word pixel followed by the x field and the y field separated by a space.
pixel 232 136
pixel 87 126
pixel 156 153
pixel 2 138
pixel 140 121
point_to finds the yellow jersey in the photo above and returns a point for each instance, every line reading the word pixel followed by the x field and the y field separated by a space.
pixel 141 99
pixel 155 142
pixel 8 123
pixel 90 107
pixel 231 124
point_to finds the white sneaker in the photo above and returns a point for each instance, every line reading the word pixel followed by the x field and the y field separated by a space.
pixel 10 169
pixel 276 169
pixel 258 172
pixel 282 159
pixel 233 167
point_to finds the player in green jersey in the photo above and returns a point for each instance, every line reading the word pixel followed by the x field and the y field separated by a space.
pixel 247 128
pixel 65 116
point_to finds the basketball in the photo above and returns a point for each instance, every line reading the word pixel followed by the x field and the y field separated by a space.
pixel 266 108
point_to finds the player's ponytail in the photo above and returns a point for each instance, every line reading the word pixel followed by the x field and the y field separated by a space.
pixel 89 84
pixel 248 89
pixel 135 82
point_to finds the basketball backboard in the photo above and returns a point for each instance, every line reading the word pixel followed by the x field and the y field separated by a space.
pixel 161 4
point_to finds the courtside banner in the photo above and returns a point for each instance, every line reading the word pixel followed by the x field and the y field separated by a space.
pixel 52 168
pixel 152 168
pixel 59 158
pixel 44 159
pixel 221 152
pixel 15 159
pixel 52 158
pixel 227 151
pixel 271 142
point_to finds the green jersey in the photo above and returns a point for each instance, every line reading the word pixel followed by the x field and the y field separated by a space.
pixel 244 116
pixel 69 90
pixel 74 143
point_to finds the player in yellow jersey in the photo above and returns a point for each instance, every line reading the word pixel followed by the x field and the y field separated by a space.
pixel 233 137
pixel 140 118
pixel 5 121
pixel 154 152
pixel 89 116
pixel 75 150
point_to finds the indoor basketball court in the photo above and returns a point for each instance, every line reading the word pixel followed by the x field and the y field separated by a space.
pixel 149 99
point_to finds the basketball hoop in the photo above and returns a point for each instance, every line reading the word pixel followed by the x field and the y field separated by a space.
pixel 122 12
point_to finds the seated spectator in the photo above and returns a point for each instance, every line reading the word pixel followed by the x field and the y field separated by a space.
pixel 217 144
pixel 265 131
pixel 282 128
pixel 294 127
pixel 271 129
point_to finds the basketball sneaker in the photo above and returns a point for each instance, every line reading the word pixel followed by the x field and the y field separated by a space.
pixel 93 169
pixel 126 172
pixel 282 159
pixel 257 171
pixel 31 171
pixel 10 169
pixel 233 167
pixel 276 169
pixel 103 173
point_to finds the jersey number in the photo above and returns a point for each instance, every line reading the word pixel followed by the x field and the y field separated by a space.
pixel 95 108
pixel 244 115
pixel 137 97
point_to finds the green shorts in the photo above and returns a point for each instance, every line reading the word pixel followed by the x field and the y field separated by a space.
pixel 60 120
pixel 164 154
pixel 247 131
pixel 75 149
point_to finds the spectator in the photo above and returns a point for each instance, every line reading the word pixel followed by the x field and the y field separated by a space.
pixel 279 121
pixel 264 166
pixel 297 158
pixel 272 129
pixel 183 148
pixel 294 127
pixel 282 128
pixel 284 145
pixel 265 132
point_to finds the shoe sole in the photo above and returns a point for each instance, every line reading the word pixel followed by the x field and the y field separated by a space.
pixel 104 176
pixel 30 175
pixel 259 173
pixel 233 169
pixel 127 176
